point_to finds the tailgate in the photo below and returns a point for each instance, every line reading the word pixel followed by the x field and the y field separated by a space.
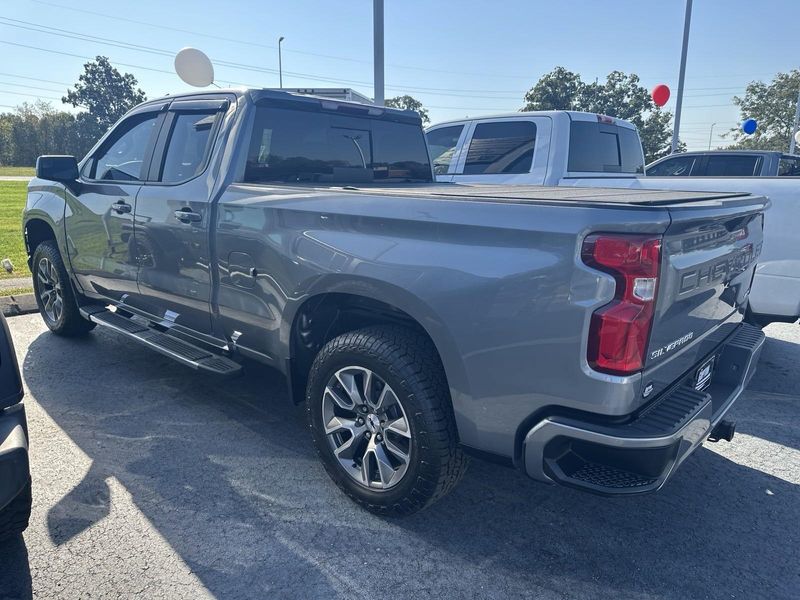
pixel 709 253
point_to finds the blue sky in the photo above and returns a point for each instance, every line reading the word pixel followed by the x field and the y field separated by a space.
pixel 459 58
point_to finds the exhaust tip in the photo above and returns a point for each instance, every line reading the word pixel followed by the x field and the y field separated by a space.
pixel 724 430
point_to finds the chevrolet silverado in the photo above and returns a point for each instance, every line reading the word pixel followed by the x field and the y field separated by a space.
pixel 590 337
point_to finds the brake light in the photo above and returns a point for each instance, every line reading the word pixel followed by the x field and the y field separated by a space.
pixel 620 330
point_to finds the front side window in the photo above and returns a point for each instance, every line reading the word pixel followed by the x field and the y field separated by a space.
pixel 789 167
pixel 442 144
pixel 502 147
pixel 189 145
pixel 680 166
pixel 314 146
pixel 732 165
pixel 123 158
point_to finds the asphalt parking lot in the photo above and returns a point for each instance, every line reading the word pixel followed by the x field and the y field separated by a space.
pixel 152 481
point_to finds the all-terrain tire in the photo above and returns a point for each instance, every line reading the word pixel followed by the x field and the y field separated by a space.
pixel 67 320
pixel 15 516
pixel 407 361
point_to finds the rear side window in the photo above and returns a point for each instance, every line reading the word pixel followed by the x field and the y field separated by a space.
pixel 731 165
pixel 188 146
pixel 604 148
pixel 503 147
pixel 442 144
pixel 678 166
pixel 789 167
pixel 315 146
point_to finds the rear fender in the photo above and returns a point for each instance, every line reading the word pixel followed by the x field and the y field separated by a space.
pixel 398 298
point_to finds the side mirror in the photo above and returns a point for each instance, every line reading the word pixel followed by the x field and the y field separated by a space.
pixel 57 168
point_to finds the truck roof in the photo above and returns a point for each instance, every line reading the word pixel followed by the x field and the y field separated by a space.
pixel 256 94
pixel 573 115
pixel 736 151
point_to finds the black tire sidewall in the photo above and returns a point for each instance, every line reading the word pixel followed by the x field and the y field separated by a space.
pixel 321 373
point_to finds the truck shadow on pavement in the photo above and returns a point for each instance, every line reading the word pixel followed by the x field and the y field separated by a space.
pixel 775 416
pixel 15 572
pixel 226 473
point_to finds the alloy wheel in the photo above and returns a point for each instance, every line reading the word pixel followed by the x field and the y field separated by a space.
pixel 366 427
pixel 50 291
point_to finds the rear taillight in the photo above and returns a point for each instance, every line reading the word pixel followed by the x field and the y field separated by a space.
pixel 620 330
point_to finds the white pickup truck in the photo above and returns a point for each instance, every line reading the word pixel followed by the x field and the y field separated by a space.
pixel 565 148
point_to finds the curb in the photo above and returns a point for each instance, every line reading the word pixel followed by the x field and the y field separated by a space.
pixel 21 304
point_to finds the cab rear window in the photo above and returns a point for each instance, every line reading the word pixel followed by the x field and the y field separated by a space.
pixel 604 148
pixel 291 146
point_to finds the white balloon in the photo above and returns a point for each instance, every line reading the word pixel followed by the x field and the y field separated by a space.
pixel 797 136
pixel 194 67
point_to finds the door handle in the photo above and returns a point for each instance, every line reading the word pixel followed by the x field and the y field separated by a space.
pixel 187 215
pixel 121 207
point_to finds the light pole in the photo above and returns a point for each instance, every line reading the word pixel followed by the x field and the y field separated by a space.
pixel 710 133
pixel 280 64
pixel 794 128
pixel 687 20
pixel 377 47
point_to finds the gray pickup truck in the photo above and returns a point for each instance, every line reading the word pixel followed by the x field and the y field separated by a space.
pixel 590 337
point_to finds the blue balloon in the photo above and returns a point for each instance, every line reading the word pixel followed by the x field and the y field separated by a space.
pixel 749 126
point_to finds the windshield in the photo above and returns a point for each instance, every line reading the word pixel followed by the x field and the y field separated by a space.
pixel 291 146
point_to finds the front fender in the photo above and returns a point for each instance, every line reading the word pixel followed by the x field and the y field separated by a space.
pixel 46 202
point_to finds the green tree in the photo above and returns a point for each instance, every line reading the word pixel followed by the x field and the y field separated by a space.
pixel 7 147
pixel 773 106
pixel 105 94
pixel 560 89
pixel 621 96
pixel 409 103
pixel 34 129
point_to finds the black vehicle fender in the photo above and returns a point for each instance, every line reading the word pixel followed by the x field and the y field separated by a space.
pixel 44 215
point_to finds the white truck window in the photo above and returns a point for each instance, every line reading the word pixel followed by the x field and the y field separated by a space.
pixel 679 166
pixel 501 147
pixel 442 144
pixel 604 148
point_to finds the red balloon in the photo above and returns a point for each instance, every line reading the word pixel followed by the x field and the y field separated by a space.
pixel 660 94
